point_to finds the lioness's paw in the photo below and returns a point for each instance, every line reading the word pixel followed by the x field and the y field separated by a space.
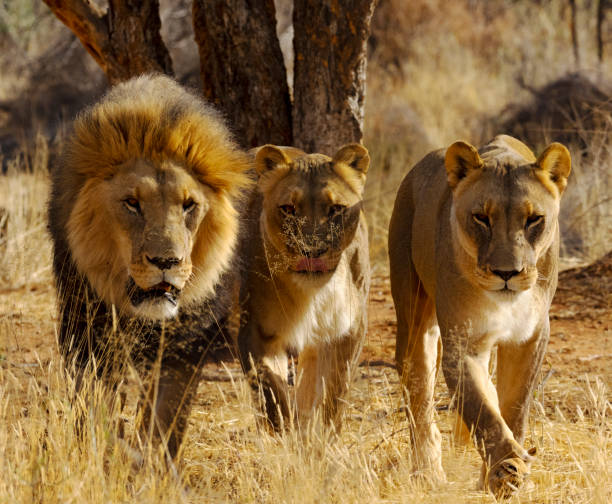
pixel 432 472
pixel 506 477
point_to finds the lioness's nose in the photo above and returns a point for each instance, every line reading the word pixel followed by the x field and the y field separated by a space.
pixel 506 275
pixel 163 263
pixel 314 253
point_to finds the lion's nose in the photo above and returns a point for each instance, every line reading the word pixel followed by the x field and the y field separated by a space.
pixel 505 274
pixel 163 263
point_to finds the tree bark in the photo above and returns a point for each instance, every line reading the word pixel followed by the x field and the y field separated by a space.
pixel 329 42
pixel 242 68
pixel 125 41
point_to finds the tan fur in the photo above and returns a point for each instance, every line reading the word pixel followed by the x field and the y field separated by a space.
pixel 144 220
pixel 320 317
pixel 473 248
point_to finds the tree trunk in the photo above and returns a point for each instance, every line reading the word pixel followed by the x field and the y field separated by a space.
pixel 329 42
pixel 574 31
pixel 125 41
pixel 601 8
pixel 242 68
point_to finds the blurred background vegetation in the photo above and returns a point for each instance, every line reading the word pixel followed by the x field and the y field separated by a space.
pixel 438 71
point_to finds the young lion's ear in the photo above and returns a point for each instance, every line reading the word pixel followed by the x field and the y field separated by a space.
pixel 460 159
pixel 557 163
pixel 355 156
pixel 269 158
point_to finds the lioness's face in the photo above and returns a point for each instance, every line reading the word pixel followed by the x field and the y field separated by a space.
pixel 505 216
pixel 311 207
pixel 157 212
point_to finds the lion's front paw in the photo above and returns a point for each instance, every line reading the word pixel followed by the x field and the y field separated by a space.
pixel 507 476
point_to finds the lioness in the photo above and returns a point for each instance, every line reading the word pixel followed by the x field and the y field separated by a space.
pixel 144 222
pixel 473 247
pixel 306 279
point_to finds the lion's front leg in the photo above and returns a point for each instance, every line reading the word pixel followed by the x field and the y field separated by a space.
pixel 167 406
pixel 466 374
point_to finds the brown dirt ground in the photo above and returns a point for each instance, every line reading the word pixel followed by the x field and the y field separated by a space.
pixel 580 345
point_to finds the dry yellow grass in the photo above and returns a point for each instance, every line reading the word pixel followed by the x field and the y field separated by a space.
pixel 461 68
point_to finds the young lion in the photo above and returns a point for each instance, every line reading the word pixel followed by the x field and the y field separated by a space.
pixel 144 222
pixel 473 247
pixel 306 279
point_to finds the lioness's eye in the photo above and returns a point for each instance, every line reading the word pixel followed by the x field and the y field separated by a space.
pixel 335 210
pixel 287 209
pixel 481 219
pixel 132 205
pixel 533 220
pixel 189 205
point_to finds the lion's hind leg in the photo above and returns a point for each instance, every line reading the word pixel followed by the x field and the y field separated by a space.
pixel 417 360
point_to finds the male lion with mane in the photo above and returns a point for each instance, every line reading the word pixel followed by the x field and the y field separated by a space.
pixel 306 280
pixel 143 216
pixel 473 248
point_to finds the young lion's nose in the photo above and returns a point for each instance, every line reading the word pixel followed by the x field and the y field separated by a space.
pixel 163 263
pixel 314 253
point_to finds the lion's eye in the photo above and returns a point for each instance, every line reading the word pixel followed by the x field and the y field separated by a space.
pixel 287 209
pixel 336 210
pixel 132 204
pixel 533 220
pixel 481 219
pixel 189 205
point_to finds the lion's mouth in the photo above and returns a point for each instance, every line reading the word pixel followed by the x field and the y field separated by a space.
pixel 161 291
pixel 312 265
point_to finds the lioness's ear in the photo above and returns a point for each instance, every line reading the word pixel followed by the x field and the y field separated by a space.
pixel 269 158
pixel 355 156
pixel 460 159
pixel 557 163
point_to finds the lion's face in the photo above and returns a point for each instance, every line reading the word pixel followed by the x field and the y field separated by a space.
pixel 157 214
pixel 505 213
pixel 139 236
pixel 312 206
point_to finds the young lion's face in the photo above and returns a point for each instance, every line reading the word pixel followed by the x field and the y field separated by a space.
pixel 312 206
pixel 152 214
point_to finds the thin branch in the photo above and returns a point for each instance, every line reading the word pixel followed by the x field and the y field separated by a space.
pixel 86 21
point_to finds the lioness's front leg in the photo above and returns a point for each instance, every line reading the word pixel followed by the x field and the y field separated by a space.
pixel 518 367
pixel 336 363
pixel 264 361
pixel 466 375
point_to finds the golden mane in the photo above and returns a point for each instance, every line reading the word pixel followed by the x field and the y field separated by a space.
pixel 152 117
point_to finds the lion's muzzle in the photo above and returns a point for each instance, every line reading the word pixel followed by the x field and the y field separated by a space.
pixel 154 285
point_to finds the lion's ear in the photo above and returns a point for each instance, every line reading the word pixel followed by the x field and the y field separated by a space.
pixel 354 155
pixel 557 163
pixel 269 158
pixel 460 159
